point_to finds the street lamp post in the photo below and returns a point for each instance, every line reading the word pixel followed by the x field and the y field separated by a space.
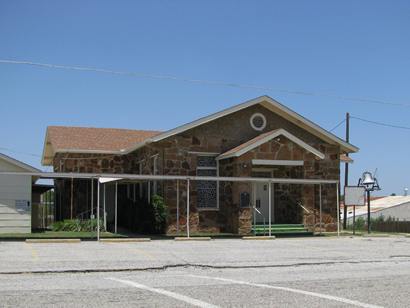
pixel 369 182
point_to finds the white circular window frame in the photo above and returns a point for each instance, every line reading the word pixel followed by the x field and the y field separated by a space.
pixel 263 119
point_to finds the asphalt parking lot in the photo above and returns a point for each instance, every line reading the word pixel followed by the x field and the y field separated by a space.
pixel 308 272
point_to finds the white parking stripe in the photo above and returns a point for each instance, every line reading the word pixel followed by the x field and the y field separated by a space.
pixel 267 286
pixel 187 299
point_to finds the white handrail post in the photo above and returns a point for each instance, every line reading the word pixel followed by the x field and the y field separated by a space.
pixel 187 207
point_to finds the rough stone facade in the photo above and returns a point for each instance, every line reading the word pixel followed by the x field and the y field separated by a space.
pixel 177 155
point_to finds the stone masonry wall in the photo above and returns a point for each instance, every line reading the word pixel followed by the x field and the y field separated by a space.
pixel 226 133
pixel 177 155
pixel 84 163
pixel 288 195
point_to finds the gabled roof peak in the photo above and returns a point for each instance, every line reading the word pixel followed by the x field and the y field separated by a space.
pixel 20 164
pixel 270 104
pixel 266 137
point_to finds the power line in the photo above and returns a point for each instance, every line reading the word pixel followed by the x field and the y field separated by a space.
pixel 381 123
pixel 44 169
pixel 341 122
pixel 19 152
pixel 202 81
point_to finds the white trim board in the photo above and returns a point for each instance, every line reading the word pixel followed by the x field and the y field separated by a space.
pixel 276 162
pixel 203 153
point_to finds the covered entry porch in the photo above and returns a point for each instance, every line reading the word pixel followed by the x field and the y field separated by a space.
pixel 313 220
pixel 241 198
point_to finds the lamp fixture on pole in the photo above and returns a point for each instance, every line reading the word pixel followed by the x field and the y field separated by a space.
pixel 370 183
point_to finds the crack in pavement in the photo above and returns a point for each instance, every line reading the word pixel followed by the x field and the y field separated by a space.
pixel 205 266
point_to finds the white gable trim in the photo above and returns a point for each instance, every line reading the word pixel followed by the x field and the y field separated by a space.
pixel 269 103
pixel 18 163
pixel 269 137
pixel 277 162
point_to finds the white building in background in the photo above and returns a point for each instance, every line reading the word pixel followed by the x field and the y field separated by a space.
pixel 15 196
pixel 397 207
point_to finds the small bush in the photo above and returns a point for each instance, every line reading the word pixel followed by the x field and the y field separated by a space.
pixel 159 210
pixel 360 223
pixel 76 225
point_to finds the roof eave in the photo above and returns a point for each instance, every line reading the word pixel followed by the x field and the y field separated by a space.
pixel 45 162
pixel 205 119
pixel 19 164
pixel 137 146
pixel 48 161
pixel 299 119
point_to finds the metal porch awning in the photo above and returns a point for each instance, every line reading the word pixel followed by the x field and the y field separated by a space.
pixel 112 177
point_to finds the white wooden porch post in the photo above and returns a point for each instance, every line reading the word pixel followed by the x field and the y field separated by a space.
pixel 98 209
pixel 187 207
pixel 116 207
pixel 177 206
pixel 105 215
pixel 320 208
pixel 92 197
pixel 270 207
pixel 338 209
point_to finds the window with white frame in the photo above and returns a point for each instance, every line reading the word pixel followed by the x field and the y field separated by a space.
pixel 206 190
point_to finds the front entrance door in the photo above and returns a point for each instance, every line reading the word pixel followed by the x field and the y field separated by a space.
pixel 261 199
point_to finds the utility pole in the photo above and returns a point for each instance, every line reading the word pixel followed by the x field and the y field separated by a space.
pixel 346 170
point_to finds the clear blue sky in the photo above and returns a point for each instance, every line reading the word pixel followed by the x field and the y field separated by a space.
pixel 347 48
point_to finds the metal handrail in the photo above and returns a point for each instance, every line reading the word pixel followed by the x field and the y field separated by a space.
pixel 83 214
pixel 264 221
pixel 305 209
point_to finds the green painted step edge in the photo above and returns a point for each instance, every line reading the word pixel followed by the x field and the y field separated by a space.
pixel 265 231
pixel 280 225
pixel 261 228
pixel 286 232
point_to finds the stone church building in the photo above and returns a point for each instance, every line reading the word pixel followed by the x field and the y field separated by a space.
pixel 258 138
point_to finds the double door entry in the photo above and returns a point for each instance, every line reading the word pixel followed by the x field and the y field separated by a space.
pixel 261 203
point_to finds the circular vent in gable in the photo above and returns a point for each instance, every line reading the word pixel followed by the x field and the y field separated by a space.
pixel 258 121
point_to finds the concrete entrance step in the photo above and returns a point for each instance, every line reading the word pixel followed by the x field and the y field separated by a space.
pixel 281 230
pixel 193 238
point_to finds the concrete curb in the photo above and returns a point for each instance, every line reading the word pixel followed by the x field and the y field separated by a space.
pixel 258 238
pixel 125 240
pixel 182 239
pixel 48 241
pixel 375 235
